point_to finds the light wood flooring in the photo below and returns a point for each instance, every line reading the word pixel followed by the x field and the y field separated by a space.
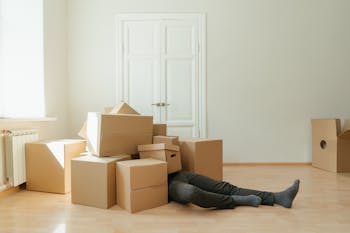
pixel 322 205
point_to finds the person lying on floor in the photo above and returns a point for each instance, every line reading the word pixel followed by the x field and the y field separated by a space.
pixel 187 187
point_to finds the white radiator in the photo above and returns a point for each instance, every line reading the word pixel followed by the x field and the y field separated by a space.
pixel 15 141
pixel 3 183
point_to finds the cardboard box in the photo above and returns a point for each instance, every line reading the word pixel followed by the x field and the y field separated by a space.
pixel 110 135
pixel 171 140
pixel 159 129
pixel 142 184
pixel 202 156
pixel 48 164
pixel 118 157
pixel 121 108
pixel 166 152
pixel 94 180
pixel 330 145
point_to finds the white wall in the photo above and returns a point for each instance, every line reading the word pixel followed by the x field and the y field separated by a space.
pixel 55 66
pixel 272 65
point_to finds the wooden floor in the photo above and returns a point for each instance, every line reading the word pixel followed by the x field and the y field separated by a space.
pixel 322 205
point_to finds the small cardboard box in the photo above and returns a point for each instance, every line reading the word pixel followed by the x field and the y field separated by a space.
pixel 330 145
pixel 166 152
pixel 171 140
pixel 202 156
pixel 117 134
pixel 142 184
pixel 48 164
pixel 94 180
pixel 159 129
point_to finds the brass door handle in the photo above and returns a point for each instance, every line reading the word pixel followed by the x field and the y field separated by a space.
pixel 161 104
pixel 164 104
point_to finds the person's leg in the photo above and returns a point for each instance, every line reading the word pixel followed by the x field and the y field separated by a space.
pixel 186 193
pixel 222 187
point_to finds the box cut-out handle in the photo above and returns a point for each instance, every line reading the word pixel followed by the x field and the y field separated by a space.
pixel 172 155
pixel 323 144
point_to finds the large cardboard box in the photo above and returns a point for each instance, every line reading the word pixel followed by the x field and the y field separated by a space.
pixel 171 140
pixel 330 145
pixel 117 134
pixel 142 184
pixel 202 156
pixel 166 152
pixel 94 180
pixel 121 108
pixel 48 164
pixel 159 129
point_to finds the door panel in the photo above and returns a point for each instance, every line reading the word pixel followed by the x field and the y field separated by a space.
pixel 185 132
pixel 141 66
pixel 141 78
pixel 179 60
pixel 179 89
pixel 179 40
pixel 142 38
pixel 160 64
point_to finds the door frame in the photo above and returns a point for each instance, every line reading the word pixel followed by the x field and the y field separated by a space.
pixel 202 71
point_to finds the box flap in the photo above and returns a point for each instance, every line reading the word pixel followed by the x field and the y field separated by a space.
pixel 117 157
pixel 325 128
pixel 345 134
pixel 171 140
pixel 159 146
pixel 346 131
pixel 198 139
pixel 59 141
pixel 82 132
pixel 146 172
pixel 121 157
pixel 122 108
pixel 94 159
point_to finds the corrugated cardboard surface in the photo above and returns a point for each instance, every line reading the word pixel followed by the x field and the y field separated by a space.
pixel 159 129
pixel 118 134
pixel 330 145
pixel 158 146
pixel 48 165
pixel 94 181
pixel 147 198
pixel 141 184
pixel 171 140
pixel 122 108
pixel 165 152
pixel 202 156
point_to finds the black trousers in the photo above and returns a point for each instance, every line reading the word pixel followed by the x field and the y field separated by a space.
pixel 187 187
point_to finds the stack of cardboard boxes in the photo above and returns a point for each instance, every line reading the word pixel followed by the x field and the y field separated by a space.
pixel 109 174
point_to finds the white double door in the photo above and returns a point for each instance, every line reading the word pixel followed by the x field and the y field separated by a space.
pixel 160 70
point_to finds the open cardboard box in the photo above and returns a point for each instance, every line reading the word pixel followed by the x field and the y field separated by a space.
pixel 331 145
pixel 48 164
